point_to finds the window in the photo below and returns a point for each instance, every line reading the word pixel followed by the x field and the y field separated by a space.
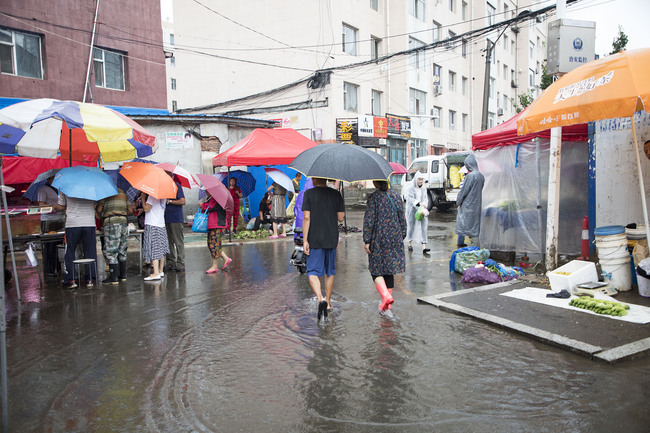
pixel 491 14
pixel 437 72
pixel 505 72
pixel 374 4
pixel 452 120
pixel 437 32
pixel 374 47
pixel 505 42
pixel 418 148
pixel 349 40
pixel 464 122
pixel 173 83
pixel 464 11
pixel 452 5
pixel 174 106
pixel 417 57
pixel 492 84
pixel 436 116
pixel 172 61
pixel 531 78
pixel 350 97
pixel 498 99
pixel 20 54
pixel 464 48
pixel 452 81
pixel 532 50
pixel 505 11
pixel 490 120
pixel 512 75
pixel 452 44
pixel 505 101
pixel 376 103
pixel 416 8
pixel 512 46
pixel 171 39
pixel 464 86
pixel 417 101
pixel 109 69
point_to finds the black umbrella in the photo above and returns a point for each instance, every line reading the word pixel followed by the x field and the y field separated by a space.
pixel 342 162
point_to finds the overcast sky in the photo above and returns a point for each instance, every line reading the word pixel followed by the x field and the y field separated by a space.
pixel 632 15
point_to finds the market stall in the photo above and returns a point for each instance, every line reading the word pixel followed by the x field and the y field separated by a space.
pixel 516 178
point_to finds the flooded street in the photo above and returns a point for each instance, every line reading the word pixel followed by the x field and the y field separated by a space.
pixel 241 351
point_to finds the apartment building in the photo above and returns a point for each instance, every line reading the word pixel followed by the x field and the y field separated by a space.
pixel 45 51
pixel 326 68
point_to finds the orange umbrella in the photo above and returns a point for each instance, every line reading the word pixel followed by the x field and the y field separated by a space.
pixel 149 179
pixel 611 87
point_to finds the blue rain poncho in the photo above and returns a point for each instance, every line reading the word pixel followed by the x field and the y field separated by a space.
pixel 469 201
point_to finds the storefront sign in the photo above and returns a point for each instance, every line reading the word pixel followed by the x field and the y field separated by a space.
pixel 399 126
pixel 380 127
pixel 179 140
pixel 365 126
pixel 347 131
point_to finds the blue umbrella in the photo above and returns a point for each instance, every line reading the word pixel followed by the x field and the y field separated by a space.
pixel 89 183
pixel 245 181
pixel 32 191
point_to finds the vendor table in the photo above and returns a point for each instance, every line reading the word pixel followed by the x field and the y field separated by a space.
pixel 43 238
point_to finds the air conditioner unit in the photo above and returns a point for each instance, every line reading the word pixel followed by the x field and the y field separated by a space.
pixel 499 111
pixel 435 114
pixel 513 84
pixel 437 90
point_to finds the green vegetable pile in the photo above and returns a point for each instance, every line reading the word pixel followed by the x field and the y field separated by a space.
pixel 600 306
pixel 251 234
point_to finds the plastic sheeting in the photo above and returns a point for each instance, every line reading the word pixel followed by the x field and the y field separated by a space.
pixel 515 196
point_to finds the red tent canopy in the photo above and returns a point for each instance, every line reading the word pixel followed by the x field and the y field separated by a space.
pixel 265 147
pixel 24 169
pixel 505 134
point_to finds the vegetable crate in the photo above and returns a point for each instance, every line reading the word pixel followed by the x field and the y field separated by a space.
pixel 570 275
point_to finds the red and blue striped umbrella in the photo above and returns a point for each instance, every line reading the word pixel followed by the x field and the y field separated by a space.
pixel 78 131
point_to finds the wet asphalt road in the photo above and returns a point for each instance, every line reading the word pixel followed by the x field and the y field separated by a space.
pixel 241 351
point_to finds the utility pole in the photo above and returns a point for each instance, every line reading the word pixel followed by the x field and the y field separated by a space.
pixel 486 84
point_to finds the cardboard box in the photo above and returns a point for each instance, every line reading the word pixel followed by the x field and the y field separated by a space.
pixel 570 275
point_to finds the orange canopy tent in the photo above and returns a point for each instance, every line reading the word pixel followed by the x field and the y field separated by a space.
pixel 265 147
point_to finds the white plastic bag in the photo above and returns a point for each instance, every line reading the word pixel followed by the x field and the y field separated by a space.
pixel 30 255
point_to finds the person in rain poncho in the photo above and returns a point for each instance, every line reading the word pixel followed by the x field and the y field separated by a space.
pixel 469 201
pixel 416 197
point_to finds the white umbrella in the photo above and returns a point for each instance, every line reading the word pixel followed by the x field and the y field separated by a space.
pixel 280 178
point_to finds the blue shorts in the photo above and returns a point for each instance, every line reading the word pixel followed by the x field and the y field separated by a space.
pixel 321 262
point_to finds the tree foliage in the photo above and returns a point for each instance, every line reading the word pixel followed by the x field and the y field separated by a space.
pixel 620 42
pixel 523 100
pixel 546 79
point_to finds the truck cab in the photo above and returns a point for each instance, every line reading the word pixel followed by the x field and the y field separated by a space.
pixel 442 177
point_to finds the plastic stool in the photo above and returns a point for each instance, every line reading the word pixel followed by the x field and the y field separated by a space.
pixel 77 265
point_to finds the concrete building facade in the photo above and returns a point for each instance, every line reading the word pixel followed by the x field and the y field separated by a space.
pixel 307 64
pixel 45 51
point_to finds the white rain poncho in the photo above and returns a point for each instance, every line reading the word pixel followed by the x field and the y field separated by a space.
pixel 416 194
pixel 469 201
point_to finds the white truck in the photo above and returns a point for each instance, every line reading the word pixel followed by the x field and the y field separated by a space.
pixel 442 177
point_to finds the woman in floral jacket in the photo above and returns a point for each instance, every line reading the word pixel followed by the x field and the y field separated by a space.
pixel 216 224
pixel 384 230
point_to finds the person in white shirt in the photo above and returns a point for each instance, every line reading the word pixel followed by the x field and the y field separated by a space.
pixel 155 244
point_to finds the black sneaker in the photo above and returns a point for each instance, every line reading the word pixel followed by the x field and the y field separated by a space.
pixel 70 286
pixel 426 250
pixel 322 310
pixel 410 248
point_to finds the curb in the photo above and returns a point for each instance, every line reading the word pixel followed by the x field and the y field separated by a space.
pixel 612 355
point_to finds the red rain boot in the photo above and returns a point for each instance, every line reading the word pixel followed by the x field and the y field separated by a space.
pixel 391 294
pixel 386 297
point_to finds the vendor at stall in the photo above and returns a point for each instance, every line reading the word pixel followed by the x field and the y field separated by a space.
pixel 50 222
